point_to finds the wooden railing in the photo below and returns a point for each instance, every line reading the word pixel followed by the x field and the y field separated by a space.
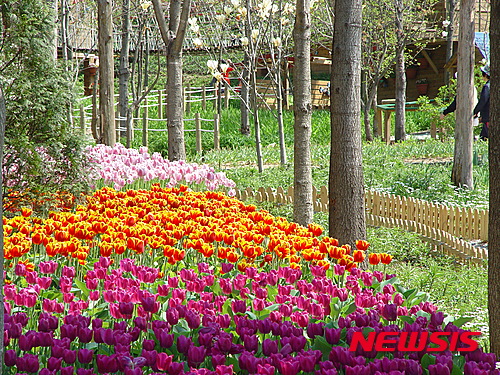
pixel 448 229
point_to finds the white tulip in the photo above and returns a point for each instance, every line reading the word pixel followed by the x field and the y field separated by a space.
pixel 444 34
pixel 198 43
pixel 145 5
pixel 446 23
pixel 276 41
pixel 255 34
pixel 195 28
pixel 224 67
pixel 235 3
pixel 244 41
pixel 212 64
pixel 221 18
pixel 192 21
pixel 243 11
pixel 228 10
pixel 217 75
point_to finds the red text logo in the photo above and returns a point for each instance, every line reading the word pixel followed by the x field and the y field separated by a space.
pixel 415 341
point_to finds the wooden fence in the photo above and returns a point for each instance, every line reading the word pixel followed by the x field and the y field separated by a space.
pixel 448 229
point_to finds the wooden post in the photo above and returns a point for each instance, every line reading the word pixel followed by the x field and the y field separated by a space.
pixel 82 118
pixel 216 94
pixel 160 104
pixel 226 95
pixel 378 120
pixel 145 124
pixel 216 132
pixel 433 129
pixel 197 123
pixel 204 98
pixel 187 98
pixel 387 127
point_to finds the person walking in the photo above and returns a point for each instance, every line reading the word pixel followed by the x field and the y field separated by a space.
pixel 483 106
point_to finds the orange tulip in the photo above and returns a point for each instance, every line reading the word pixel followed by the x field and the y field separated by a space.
pixel 374 259
pixel 358 256
pixel 385 258
pixel 362 245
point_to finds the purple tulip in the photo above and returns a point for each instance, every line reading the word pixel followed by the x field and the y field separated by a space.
pixel 238 306
pixel 54 364
pixel 183 344
pixel 218 360
pixel 28 363
pixel 126 308
pixel 166 340
pixel 291 367
pixel 69 330
pixel 175 368
pixel 82 371
pixel 438 369
pixel 69 356
pixel 10 358
pixel 266 369
pixel 106 363
pixel 196 355
pixel 315 329
pixel 332 335
pixel 193 319
pixel 46 371
pixel 251 343
pixel 85 355
pixel 172 316
pixel 69 370
pixel 390 312
pixel 141 323
pixel 269 347
pixel 163 361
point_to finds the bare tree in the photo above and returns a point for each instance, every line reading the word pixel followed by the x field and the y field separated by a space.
pixel 400 93
pixel 106 71
pixel 461 174
pixel 124 72
pixel 173 37
pixel 346 187
pixel 494 160
pixel 302 110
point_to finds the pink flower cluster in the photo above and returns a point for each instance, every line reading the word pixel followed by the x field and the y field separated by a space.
pixel 122 166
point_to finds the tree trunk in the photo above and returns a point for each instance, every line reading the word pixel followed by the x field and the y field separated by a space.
pixel 2 254
pixel 346 187
pixel 124 68
pixel 400 94
pixel 302 110
pixel 175 109
pixel 245 97
pixel 461 174
pixel 173 37
pixel 366 106
pixel 494 160
pixel 450 16
pixel 279 94
pixel 106 71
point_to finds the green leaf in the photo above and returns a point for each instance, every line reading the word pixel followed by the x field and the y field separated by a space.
pixel 82 287
pixel 407 319
pixel 274 307
pixel 427 360
pixel 346 310
pixel 461 321
pixel 322 345
pixel 251 315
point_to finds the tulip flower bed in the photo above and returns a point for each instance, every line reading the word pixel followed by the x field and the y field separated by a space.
pixel 170 281
pixel 122 166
